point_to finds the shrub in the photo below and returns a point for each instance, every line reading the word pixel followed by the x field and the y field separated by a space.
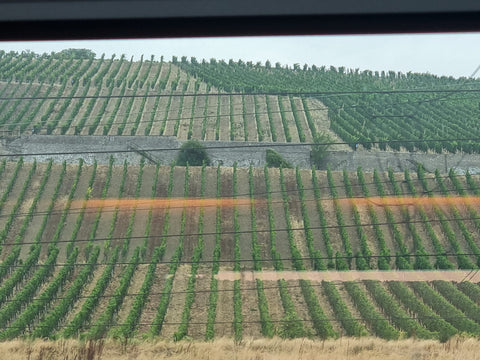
pixel 274 159
pixel 193 153
pixel 320 148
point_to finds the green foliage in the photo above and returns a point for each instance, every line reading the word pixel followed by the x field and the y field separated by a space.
pixel 395 313
pixel 76 54
pixel 102 324
pixel 351 325
pixel 441 306
pixel 379 325
pixel 192 153
pixel 75 326
pixel 323 220
pixel 291 327
pixel 425 315
pixel 321 324
pixel 315 254
pixel 275 160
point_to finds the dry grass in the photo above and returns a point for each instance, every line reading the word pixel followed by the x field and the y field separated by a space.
pixel 305 349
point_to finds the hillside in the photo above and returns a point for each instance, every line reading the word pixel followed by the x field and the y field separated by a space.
pixel 101 248
pixel 64 93
pixel 55 94
pixel 151 257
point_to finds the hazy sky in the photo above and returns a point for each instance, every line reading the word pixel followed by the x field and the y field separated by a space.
pixel 442 54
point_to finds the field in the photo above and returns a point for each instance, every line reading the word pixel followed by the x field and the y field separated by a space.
pixel 114 96
pixel 68 93
pixel 265 349
pixel 263 261
pixel 128 251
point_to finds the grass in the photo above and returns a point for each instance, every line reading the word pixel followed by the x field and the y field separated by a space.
pixel 268 349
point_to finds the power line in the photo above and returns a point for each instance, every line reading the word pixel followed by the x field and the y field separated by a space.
pixel 220 261
pixel 261 230
pixel 207 291
pixel 247 322
pixel 246 114
pixel 181 292
pixel 238 146
pixel 274 93
pixel 245 196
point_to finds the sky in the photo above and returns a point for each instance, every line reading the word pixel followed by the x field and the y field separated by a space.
pixel 453 54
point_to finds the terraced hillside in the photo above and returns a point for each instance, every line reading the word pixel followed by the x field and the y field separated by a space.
pixel 122 251
pixel 67 94
pixel 384 110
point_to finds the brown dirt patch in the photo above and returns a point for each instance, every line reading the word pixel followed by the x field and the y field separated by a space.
pixel 353 275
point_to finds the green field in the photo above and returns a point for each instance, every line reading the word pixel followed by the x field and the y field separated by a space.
pixel 129 251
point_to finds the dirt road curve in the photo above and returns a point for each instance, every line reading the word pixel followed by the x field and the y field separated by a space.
pixel 421 275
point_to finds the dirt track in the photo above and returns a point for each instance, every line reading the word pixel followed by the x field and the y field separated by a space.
pixel 420 275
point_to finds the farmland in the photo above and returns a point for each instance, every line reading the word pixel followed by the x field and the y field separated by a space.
pixel 63 93
pixel 125 250
pixel 69 96
pixel 131 251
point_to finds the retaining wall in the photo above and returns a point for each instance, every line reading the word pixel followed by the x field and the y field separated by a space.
pixel 163 149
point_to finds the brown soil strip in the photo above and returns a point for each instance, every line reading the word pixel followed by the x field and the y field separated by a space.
pixel 211 119
pixel 239 133
pixel 276 118
pixel 224 118
pixel 173 317
pixel 303 119
pixel 199 310
pixel 250 311
pixel 250 118
pixel 224 318
pixel 198 113
pixel 292 126
pixel 151 306
pixel 262 115
pixel 353 275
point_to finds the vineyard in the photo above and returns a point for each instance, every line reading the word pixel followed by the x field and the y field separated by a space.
pixel 116 250
pixel 127 251
pixel 66 95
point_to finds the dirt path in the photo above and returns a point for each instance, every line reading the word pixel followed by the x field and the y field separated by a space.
pixel 244 218
pixel 199 111
pixel 250 119
pixel 199 309
pixel 292 127
pixel 150 310
pixel 262 115
pixel 319 114
pixel 353 275
pixel 238 125
pixel 303 119
pixel 276 118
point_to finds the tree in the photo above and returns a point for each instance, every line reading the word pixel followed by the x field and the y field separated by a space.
pixel 322 142
pixel 76 53
pixel 275 160
pixel 193 153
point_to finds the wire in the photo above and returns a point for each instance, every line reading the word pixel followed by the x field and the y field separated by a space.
pixel 139 203
pixel 276 93
pixel 71 126
pixel 238 146
pixel 220 261
pixel 207 291
pixel 248 322
pixel 181 292
pixel 256 231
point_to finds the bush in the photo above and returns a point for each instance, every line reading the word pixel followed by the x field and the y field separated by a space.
pixel 193 153
pixel 274 159
pixel 320 148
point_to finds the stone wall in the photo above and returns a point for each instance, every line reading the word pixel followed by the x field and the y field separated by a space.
pixel 164 150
